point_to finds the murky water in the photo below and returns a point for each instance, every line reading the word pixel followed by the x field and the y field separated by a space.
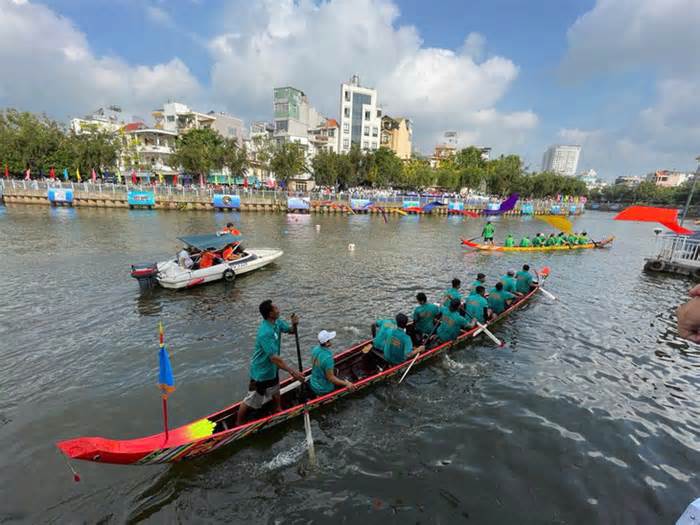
pixel 589 415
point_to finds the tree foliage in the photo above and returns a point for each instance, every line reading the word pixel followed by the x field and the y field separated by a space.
pixel 288 161
pixel 234 157
pixel 199 151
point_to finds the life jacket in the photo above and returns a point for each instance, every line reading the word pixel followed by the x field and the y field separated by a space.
pixel 227 253
pixel 206 260
pixel 233 231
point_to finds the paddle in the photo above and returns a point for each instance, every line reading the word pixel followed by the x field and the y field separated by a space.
pixel 307 419
pixel 482 328
pixel 545 273
pixel 419 353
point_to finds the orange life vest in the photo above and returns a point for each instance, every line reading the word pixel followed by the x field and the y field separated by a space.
pixel 233 231
pixel 206 260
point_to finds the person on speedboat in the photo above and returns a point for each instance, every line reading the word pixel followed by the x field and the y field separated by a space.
pixel 230 252
pixel 184 259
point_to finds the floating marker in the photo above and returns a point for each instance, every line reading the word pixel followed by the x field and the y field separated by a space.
pixel 318 227
pixel 351 247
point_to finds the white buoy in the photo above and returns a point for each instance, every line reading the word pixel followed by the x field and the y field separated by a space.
pixel 318 227
pixel 351 247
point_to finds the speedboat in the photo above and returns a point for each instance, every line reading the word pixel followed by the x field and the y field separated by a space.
pixel 169 274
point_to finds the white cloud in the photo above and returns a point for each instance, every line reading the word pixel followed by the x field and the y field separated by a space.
pixel 315 47
pixel 159 16
pixel 47 65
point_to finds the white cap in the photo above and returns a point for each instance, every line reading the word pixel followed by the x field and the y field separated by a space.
pixel 324 336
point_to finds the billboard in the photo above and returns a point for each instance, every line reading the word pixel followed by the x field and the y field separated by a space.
pixel 411 204
pixel 227 201
pixel 456 206
pixel 527 209
pixel 141 198
pixel 360 204
pixel 298 203
pixel 60 195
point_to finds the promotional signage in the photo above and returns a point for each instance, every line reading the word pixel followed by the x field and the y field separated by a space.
pixel 298 203
pixel 411 204
pixel 573 209
pixel 527 209
pixel 456 206
pixel 555 210
pixel 227 201
pixel 60 195
pixel 360 204
pixel 493 206
pixel 141 198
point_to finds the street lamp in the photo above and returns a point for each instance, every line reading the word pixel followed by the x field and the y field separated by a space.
pixel 692 190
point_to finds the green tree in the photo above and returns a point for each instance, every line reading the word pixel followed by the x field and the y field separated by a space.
pixel 326 168
pixel 234 157
pixel 199 151
pixel 288 161
pixel 94 149
pixel 388 166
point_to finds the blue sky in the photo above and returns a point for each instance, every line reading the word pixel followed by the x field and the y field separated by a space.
pixel 616 76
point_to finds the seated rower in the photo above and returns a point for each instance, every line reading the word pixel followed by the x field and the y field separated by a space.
pixel 477 307
pixel 572 239
pixel 551 240
pixel 510 283
pixel 509 241
pixel 583 238
pixel 451 322
pixel 561 239
pixel 524 280
pixel 480 281
pixel 379 331
pixel 397 344
pixel 424 317
pixel 452 293
pixel 499 299
pixel 323 378
pixel 525 242
pixel 537 240
pixel 266 361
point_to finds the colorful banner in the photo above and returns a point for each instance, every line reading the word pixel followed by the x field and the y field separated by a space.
pixel 493 206
pixel 360 204
pixel 298 203
pixel 527 209
pixel 456 206
pixel 141 198
pixel 411 204
pixel 60 195
pixel 227 201
pixel 555 209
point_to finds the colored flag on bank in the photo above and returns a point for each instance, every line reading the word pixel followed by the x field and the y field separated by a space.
pixel 665 216
pixel 65 174
pixel 77 174
pixel 166 381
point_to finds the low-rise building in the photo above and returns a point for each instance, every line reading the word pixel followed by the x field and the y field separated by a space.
pixel 324 137
pixel 179 118
pixel 628 180
pixel 147 149
pixel 669 179
pixel 397 135
pixel 591 180
pixel 229 126
pixel 442 153
pixel 103 119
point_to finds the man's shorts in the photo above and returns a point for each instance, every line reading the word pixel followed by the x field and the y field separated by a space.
pixel 261 392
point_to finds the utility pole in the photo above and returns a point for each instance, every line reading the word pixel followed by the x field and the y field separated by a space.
pixel 692 190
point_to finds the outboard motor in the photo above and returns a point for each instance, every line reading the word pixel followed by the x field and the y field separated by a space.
pixel 145 274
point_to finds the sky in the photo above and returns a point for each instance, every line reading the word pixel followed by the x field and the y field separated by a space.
pixel 618 77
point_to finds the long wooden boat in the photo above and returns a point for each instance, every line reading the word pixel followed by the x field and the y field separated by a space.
pixel 219 429
pixel 605 243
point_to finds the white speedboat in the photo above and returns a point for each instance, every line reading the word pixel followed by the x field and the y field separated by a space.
pixel 169 274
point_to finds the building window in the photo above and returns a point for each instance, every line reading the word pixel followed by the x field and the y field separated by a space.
pixel 347 96
pixel 367 115
pixel 346 111
pixel 346 143
pixel 375 131
pixel 331 133
pixel 281 109
pixel 282 125
pixel 374 145
pixel 379 113
pixel 385 138
pixel 346 127
pixel 366 133
pixel 171 118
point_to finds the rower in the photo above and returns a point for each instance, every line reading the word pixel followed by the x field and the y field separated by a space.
pixel 561 239
pixel 451 322
pixel 509 242
pixel 379 331
pixel 525 242
pixel 480 281
pixel 452 293
pixel 499 299
pixel 510 283
pixel 397 344
pixel 537 240
pixel 264 374
pixel 551 240
pixel 323 378
pixel 573 238
pixel 477 307
pixel 583 238
pixel 524 280
pixel 424 317
pixel 488 232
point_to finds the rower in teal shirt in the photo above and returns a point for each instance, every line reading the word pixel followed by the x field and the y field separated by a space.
pixel 477 305
pixel 267 344
pixel 424 315
pixel 451 322
pixel 379 331
pixel 323 378
pixel 452 293
pixel 524 280
pixel 480 281
pixel 509 282
pixel 499 299
pixel 397 344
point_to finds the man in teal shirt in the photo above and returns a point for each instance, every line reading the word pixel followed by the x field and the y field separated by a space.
pixel 424 316
pixel 379 331
pixel 509 282
pixel 323 378
pixel 525 242
pixel 551 240
pixel 266 362
pixel 398 345
pixel 477 307
pixel 451 322
pixel 524 280
pixel 537 240
pixel 499 299
pixel 452 293
pixel 480 281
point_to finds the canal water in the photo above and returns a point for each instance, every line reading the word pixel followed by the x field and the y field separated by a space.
pixel 589 415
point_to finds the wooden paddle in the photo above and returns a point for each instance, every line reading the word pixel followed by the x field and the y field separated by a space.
pixel 545 274
pixel 307 419
pixel 482 328
pixel 419 353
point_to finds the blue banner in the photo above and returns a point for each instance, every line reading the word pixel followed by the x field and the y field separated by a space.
pixel 227 201
pixel 298 203
pixel 411 204
pixel 456 206
pixel 527 209
pixel 60 195
pixel 555 209
pixel 572 209
pixel 141 198
pixel 360 204
pixel 493 206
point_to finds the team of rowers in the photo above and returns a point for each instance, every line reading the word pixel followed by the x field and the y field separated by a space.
pixel 395 340
pixel 190 258
pixel 540 239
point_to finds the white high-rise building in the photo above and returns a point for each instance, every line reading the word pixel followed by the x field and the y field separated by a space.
pixel 360 117
pixel 561 159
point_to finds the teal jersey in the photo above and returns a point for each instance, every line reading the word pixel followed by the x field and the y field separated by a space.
pixel 321 361
pixel 537 241
pixel 383 326
pixel 475 307
pixel 560 240
pixel 583 240
pixel 267 345
pixel 450 325
pixel 524 281
pixel 573 239
pixel 509 283
pixel 397 346
pixel 472 287
pixel 497 300
pixel 488 231
pixel 423 317
pixel 551 241
pixel 525 242
pixel 452 293
pixel 509 242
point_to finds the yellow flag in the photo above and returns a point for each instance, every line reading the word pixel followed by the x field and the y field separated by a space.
pixel 160 178
pixel 557 222
pixel 77 174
